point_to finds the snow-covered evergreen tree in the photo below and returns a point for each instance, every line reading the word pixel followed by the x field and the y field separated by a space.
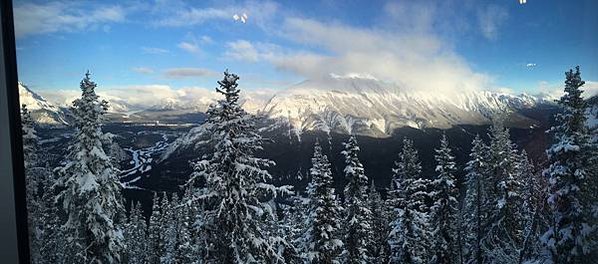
pixel 154 235
pixel 410 234
pixel 320 242
pixel 377 241
pixel 505 228
pixel 288 230
pixel 51 237
pixel 165 223
pixel 534 209
pixel 475 209
pixel 42 216
pixel 358 214
pixel 445 209
pixel 30 149
pixel 572 235
pixel 31 162
pixel 136 236
pixel 237 193
pixel 186 246
pixel 171 231
pixel 91 194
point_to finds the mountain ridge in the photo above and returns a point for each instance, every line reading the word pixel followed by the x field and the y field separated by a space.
pixel 42 111
pixel 347 105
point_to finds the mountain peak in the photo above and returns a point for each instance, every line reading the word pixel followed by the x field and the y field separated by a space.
pixel 42 111
pixel 33 100
pixel 352 104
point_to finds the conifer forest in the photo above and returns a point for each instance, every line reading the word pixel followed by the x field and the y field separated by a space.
pixel 497 207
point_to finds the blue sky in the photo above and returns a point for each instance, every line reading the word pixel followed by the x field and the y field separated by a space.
pixel 426 45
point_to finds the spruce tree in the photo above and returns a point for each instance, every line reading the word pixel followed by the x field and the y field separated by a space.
pixel 572 237
pixel 446 207
pixel 30 157
pixel 165 222
pixel 410 234
pixel 320 242
pixel 534 208
pixel 136 236
pixel 186 246
pixel 50 238
pixel 391 215
pixel 154 235
pixel 32 170
pixel 504 238
pixel 172 231
pixel 377 241
pixel 475 204
pixel 236 192
pixel 358 215
pixel 91 195
pixel 287 227
pixel 42 216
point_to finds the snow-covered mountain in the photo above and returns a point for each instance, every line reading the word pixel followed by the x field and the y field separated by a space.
pixel 335 104
pixel 42 111
pixel 366 106
pixel 371 107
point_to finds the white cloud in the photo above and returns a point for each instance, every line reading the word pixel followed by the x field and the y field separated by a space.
pixel 153 50
pixel 133 98
pixel 184 15
pixel 414 60
pixel 242 50
pixel 490 19
pixel 206 40
pixel 556 90
pixel 245 50
pixel 189 47
pixel 143 70
pixel 194 16
pixel 188 72
pixel 590 89
pixel 41 18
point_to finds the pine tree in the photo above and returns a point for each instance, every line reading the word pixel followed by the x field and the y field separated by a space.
pixel 446 207
pixel 391 215
pixel 236 192
pixel 571 237
pixel 91 196
pixel 358 215
pixel 534 208
pixel 591 185
pixel 50 237
pixel 410 232
pixel 296 216
pixel 320 242
pixel 172 231
pixel 288 230
pixel 165 222
pixel 43 219
pixel 136 236
pixel 30 149
pixel 154 235
pixel 505 236
pixel 186 246
pixel 475 204
pixel 377 242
